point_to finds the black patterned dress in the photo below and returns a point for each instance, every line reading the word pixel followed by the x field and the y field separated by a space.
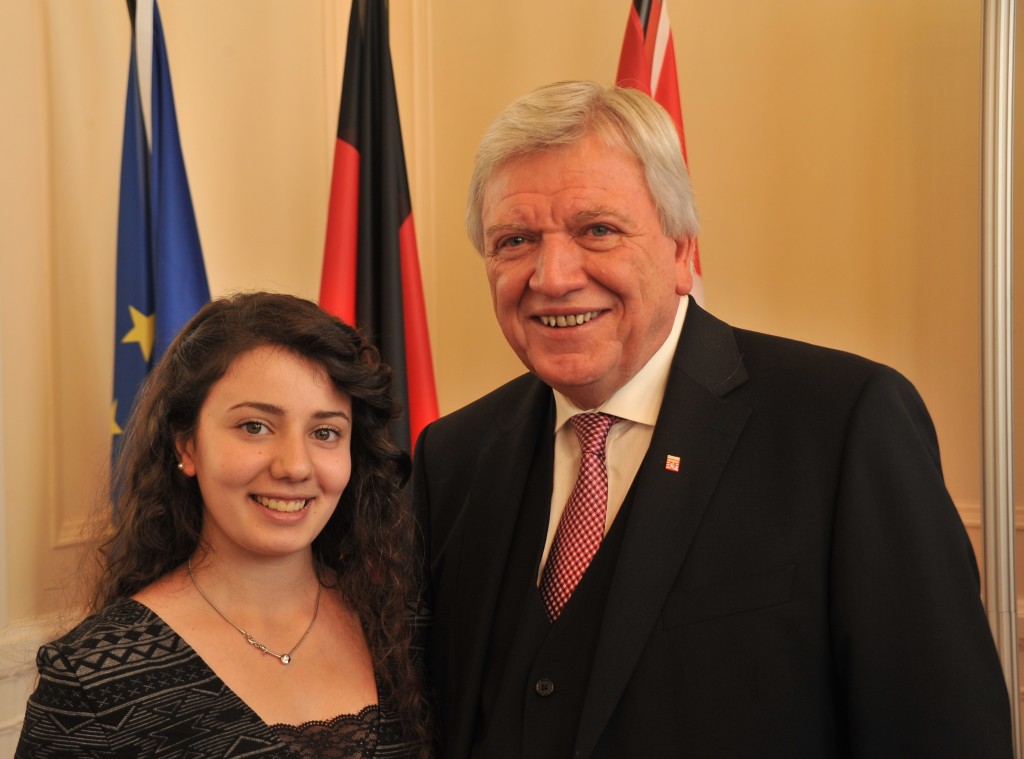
pixel 124 684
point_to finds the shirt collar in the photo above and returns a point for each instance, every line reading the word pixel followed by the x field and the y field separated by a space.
pixel 639 400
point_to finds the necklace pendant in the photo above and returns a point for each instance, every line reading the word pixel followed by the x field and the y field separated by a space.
pixel 283 658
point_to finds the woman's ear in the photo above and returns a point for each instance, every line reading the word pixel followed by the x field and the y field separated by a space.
pixel 186 458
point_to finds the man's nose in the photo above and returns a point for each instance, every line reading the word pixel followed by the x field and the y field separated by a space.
pixel 559 267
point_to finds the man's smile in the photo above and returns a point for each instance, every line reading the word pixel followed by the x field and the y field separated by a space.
pixel 570 320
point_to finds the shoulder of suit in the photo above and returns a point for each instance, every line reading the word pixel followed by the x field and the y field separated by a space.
pixel 709 347
pixel 785 350
pixel 795 367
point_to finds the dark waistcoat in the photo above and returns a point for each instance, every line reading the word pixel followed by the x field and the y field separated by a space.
pixel 537 672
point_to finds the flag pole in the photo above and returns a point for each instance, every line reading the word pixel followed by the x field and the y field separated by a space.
pixel 999 532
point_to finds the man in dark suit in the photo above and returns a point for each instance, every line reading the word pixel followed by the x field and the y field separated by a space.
pixel 777 571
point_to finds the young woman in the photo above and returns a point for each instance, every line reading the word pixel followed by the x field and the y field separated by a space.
pixel 258 594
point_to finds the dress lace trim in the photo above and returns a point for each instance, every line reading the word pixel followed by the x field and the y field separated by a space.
pixel 347 736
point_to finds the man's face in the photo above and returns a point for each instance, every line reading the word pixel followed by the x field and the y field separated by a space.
pixel 584 283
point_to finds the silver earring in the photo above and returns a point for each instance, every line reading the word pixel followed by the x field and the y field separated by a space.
pixel 181 467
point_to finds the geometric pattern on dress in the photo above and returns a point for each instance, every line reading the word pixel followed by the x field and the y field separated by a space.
pixel 123 684
pixel 581 528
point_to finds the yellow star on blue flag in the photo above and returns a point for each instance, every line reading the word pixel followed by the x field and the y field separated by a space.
pixel 143 332
pixel 115 428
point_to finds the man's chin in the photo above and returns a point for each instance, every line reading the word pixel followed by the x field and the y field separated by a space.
pixel 584 390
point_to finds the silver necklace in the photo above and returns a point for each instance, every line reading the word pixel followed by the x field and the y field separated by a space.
pixel 283 658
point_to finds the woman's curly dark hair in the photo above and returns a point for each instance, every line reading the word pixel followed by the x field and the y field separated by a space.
pixel 368 544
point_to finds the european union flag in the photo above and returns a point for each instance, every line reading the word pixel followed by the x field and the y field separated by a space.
pixel 161 279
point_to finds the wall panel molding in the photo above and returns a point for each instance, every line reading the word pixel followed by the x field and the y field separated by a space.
pixel 18 646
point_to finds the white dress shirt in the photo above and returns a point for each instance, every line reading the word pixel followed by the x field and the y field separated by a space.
pixel 637 403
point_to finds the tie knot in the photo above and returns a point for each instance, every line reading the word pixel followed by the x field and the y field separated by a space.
pixel 592 430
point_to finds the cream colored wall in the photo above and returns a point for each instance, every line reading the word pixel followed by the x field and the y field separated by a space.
pixel 834 148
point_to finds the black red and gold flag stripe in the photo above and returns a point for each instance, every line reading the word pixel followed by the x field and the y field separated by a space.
pixel 371 274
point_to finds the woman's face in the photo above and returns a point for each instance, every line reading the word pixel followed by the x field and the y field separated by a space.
pixel 271 453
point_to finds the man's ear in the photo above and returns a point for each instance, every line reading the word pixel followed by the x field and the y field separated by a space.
pixel 685 248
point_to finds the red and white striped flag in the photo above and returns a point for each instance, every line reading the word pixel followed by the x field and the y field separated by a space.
pixel 648 64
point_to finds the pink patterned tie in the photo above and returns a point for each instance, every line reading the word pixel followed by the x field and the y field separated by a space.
pixel 581 527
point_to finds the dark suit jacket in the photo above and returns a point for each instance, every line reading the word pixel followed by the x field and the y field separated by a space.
pixel 801 587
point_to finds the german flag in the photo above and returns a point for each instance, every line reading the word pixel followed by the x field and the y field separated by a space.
pixel 371 274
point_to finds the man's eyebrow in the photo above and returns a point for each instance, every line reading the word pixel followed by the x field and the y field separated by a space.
pixel 591 214
pixel 498 229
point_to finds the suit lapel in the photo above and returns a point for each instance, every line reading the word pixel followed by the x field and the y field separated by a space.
pixel 502 471
pixel 701 429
